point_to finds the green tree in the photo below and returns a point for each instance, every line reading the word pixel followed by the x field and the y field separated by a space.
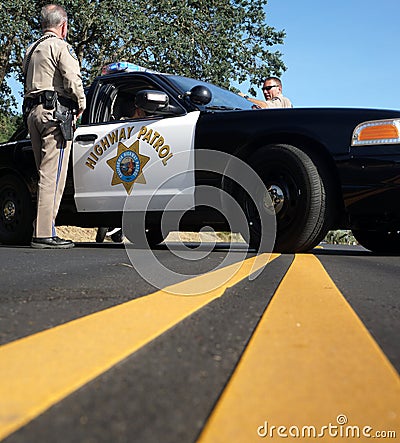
pixel 222 41
pixel 8 124
pixel 15 33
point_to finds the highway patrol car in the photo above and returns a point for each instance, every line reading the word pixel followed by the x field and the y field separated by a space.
pixel 321 169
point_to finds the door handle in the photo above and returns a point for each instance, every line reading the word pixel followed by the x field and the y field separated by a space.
pixel 86 138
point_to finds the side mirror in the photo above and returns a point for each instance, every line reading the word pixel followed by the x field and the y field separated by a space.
pixel 152 101
pixel 199 95
pixel 156 103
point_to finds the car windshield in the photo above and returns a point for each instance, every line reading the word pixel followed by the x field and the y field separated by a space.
pixel 222 99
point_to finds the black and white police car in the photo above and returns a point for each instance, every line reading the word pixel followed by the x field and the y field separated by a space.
pixel 320 169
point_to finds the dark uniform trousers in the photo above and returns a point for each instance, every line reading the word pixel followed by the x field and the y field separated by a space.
pixel 51 153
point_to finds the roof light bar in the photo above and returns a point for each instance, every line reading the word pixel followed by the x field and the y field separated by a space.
pixel 377 132
pixel 113 68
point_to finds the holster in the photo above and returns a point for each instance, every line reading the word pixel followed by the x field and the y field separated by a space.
pixel 65 113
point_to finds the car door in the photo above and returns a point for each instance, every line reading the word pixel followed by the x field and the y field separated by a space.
pixel 149 159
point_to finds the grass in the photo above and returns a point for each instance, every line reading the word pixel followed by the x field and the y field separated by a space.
pixel 340 237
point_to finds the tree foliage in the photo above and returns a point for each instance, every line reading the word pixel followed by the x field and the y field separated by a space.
pixel 15 33
pixel 8 124
pixel 222 41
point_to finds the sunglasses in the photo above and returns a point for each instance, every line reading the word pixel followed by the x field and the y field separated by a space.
pixel 267 88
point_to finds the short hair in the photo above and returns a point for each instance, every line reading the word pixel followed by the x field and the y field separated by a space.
pixel 52 16
pixel 276 79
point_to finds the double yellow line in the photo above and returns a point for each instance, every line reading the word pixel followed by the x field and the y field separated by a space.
pixel 309 362
pixel 40 370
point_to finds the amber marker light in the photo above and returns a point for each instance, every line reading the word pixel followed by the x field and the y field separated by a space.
pixel 377 132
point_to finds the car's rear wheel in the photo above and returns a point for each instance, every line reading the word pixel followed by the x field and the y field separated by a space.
pixel 16 211
pixel 299 198
pixel 379 241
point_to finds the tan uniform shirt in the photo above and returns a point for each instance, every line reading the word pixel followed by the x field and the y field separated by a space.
pixel 279 102
pixel 55 67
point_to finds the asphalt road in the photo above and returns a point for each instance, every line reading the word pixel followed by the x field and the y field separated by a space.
pixel 94 351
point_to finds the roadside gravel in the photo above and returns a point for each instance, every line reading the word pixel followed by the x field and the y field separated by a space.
pixel 89 235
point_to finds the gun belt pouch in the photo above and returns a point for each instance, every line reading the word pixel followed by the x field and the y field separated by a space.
pixel 49 99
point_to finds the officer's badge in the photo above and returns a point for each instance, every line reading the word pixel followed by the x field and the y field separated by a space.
pixel 72 52
pixel 127 166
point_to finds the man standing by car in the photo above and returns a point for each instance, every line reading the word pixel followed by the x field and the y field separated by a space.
pixel 54 98
pixel 272 90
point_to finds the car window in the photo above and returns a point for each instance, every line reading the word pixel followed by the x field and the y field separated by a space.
pixel 115 100
pixel 221 98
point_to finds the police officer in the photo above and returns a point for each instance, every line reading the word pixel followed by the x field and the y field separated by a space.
pixel 272 90
pixel 53 94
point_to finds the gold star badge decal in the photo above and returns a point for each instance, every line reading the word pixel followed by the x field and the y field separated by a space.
pixel 127 166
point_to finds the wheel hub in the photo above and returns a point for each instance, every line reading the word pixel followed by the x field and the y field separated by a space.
pixel 9 210
pixel 277 197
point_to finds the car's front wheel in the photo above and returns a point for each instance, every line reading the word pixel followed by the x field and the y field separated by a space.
pixel 379 241
pixel 298 194
pixel 16 211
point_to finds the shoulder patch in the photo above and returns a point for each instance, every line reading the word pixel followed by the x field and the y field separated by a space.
pixel 72 52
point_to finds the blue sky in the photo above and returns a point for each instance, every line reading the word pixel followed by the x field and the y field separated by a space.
pixel 341 53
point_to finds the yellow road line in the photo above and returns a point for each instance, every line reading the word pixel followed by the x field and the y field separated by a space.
pixel 310 360
pixel 38 371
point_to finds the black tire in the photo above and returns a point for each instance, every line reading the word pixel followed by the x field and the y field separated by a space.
pixel 101 234
pixel 300 199
pixel 16 211
pixel 383 242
